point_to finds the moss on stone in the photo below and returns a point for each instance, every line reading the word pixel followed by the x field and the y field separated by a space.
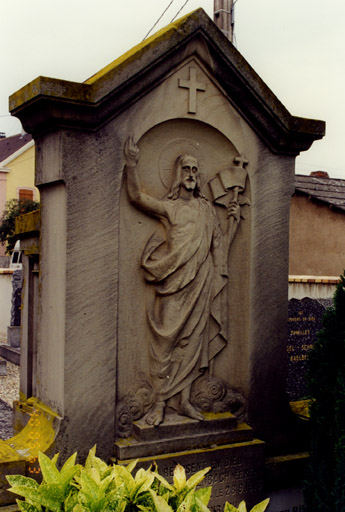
pixel 28 222
pixel 147 45
pixel 75 91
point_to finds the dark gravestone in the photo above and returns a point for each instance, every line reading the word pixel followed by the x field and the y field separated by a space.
pixel 17 281
pixel 11 350
pixel 13 331
pixel 305 320
pixel 236 471
pixel 6 420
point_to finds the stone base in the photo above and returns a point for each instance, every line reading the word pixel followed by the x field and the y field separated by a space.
pixel 3 369
pixel 236 471
pixel 179 433
pixel 11 354
pixel 5 261
pixel 9 468
pixel 13 336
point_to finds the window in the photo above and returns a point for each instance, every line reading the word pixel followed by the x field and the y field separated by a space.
pixel 26 193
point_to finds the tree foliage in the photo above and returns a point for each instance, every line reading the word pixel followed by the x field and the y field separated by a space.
pixel 325 485
pixel 14 208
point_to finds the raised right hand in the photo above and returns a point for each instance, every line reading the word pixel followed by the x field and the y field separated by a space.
pixel 131 152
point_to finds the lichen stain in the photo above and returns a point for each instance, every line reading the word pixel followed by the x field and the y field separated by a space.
pixel 148 44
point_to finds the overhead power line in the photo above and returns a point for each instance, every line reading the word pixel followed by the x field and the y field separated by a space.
pixel 184 5
pixel 160 17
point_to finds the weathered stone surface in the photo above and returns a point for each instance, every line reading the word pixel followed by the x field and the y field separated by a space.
pixel 92 334
pixel 13 336
pixel 9 353
pixel 112 89
pixel 236 471
pixel 176 425
pixel 3 369
pixel 178 433
pixel 190 259
pixel 17 280
pixel 6 420
pixel 9 468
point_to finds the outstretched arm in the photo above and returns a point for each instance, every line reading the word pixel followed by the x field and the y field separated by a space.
pixel 136 195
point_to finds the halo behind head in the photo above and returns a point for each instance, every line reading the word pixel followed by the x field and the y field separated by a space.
pixel 176 149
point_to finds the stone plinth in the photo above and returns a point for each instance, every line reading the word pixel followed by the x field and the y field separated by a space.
pixel 3 369
pixel 236 470
pixel 178 433
pixel 13 336
pixel 9 468
pixel 9 353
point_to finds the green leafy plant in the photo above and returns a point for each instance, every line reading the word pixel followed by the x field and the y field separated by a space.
pixel 14 208
pixel 55 490
pixel 98 487
pixel 260 507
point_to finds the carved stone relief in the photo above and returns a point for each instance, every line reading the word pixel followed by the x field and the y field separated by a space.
pixel 193 87
pixel 207 394
pixel 185 265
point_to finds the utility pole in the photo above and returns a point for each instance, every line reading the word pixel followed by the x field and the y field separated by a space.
pixel 223 17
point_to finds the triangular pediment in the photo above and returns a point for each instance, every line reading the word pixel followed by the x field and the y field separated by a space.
pixel 109 92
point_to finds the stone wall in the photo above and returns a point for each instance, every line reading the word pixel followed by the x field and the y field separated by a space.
pixel 317 243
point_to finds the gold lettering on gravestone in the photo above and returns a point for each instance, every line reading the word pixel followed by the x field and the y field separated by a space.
pixel 307 347
pixel 305 317
pixel 302 357
pixel 302 319
pixel 231 477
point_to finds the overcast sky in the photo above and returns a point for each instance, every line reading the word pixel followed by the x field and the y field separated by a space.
pixel 296 46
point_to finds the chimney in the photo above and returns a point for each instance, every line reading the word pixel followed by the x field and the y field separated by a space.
pixel 2 135
pixel 319 174
pixel 223 17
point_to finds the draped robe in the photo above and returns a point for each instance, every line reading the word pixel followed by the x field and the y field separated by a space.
pixel 187 319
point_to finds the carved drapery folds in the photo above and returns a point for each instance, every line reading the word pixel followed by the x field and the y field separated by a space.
pixel 185 265
pixel 134 406
pixel 208 394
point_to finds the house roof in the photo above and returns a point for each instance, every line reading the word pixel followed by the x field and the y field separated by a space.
pixel 48 104
pixel 322 188
pixel 10 145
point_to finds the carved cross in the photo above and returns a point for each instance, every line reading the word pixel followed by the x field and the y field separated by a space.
pixel 241 161
pixel 193 85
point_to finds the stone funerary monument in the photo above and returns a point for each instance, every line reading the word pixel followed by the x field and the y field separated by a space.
pixel 160 325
